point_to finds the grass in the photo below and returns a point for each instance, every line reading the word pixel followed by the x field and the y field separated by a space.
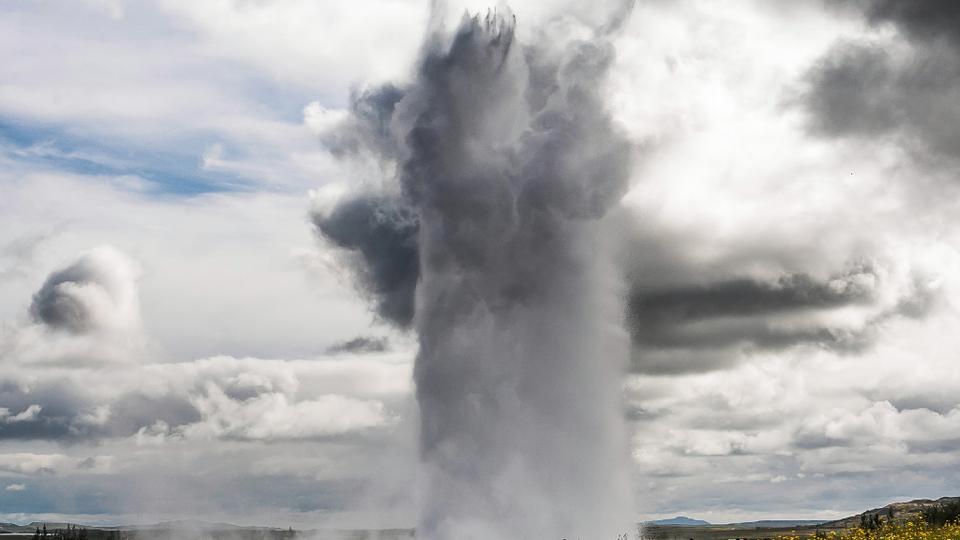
pixel 913 529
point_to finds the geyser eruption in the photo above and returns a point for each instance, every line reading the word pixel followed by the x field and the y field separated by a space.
pixel 506 164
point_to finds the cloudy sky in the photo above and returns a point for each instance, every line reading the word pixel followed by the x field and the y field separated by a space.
pixel 177 340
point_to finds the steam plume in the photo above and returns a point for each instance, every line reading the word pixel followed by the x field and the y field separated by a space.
pixel 510 163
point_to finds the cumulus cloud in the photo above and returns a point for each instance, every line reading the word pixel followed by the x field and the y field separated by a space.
pixel 83 314
pixel 812 417
pixel 272 416
pixel 27 415
pixel 225 398
pixel 78 371
pixel 746 234
pixel 783 284
pixel 881 423
pixel 97 293
pixel 32 463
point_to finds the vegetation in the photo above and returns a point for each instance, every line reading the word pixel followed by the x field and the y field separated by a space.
pixel 942 514
pixel 870 522
pixel 74 532
pixel 875 529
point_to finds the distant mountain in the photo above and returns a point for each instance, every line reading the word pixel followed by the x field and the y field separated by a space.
pixel 7 528
pixel 779 523
pixel 679 520
pixel 683 521
pixel 898 511
pixel 198 525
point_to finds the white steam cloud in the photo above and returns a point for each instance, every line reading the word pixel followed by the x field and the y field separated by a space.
pixel 490 245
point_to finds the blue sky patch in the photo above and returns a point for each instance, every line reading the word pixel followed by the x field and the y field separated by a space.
pixel 171 167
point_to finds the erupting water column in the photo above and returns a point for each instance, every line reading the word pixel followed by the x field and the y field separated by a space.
pixel 512 163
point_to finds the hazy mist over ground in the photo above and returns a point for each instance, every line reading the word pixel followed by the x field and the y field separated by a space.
pixel 240 243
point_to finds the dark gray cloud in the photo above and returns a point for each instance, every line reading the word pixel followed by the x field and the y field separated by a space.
pixel 379 235
pixel 361 344
pixel 678 360
pixel 219 398
pixel 69 413
pixel 745 297
pixel 97 291
pixel 87 463
pixel 59 406
pixel 867 88
pixel 658 317
pixel 855 92
pixel 56 306
pixel 938 400
pixel 708 326
pixel 922 20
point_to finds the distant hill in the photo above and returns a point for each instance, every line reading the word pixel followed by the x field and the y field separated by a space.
pixel 898 511
pixel 681 521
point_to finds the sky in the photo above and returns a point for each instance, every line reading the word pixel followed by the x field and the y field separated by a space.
pixel 182 337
